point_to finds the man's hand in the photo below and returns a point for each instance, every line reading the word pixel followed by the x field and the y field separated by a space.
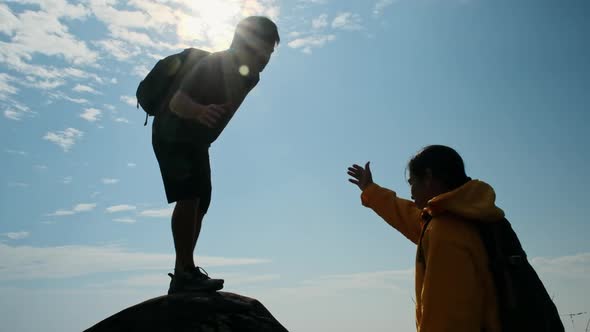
pixel 209 115
pixel 362 177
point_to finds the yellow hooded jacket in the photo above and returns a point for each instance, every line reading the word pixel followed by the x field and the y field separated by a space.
pixel 454 288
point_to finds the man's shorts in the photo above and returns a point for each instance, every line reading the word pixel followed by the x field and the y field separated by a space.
pixel 185 169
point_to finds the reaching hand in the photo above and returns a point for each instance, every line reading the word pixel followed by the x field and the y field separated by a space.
pixel 362 177
pixel 210 115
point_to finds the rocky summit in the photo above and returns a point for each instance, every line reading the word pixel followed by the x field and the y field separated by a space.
pixel 193 312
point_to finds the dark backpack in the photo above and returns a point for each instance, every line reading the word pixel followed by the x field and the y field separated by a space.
pixel 523 301
pixel 156 89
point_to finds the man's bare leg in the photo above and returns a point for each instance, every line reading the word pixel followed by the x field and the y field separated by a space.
pixel 186 227
pixel 184 232
pixel 198 222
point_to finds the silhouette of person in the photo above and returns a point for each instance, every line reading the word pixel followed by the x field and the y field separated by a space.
pixel 454 288
pixel 199 110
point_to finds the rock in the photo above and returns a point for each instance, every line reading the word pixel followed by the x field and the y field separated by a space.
pixel 193 312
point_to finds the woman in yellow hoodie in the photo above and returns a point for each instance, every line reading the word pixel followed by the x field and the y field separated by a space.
pixel 454 288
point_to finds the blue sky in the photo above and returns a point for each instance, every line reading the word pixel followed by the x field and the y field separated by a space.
pixel 83 216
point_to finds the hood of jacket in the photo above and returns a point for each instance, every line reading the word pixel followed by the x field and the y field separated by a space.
pixel 475 200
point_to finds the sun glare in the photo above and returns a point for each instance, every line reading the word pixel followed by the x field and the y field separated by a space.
pixel 210 21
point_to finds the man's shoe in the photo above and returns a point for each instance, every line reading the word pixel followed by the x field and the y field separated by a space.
pixel 193 281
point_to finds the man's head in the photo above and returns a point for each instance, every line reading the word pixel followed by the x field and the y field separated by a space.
pixel 435 170
pixel 255 40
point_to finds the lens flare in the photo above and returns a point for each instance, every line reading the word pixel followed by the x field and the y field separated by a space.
pixel 244 70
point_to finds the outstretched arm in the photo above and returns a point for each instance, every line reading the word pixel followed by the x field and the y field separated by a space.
pixel 400 213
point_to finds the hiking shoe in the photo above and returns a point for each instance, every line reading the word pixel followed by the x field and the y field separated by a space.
pixel 193 281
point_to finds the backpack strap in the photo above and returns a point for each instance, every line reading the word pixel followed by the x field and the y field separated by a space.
pixel 191 58
pixel 420 257
pixel 146 115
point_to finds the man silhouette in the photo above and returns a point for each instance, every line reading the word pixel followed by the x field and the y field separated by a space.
pixel 199 110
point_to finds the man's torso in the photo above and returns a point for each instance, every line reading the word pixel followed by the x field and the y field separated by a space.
pixel 214 80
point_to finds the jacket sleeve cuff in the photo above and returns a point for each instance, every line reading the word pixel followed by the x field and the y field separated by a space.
pixel 368 193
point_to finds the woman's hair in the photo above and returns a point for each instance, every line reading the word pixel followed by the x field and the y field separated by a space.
pixel 255 29
pixel 444 162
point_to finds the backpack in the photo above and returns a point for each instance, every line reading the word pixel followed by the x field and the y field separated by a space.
pixel 523 301
pixel 156 89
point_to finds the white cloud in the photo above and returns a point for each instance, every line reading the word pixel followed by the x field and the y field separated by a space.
pixel 40 167
pixel 60 213
pixel 119 18
pixel 381 5
pixel 575 266
pixel 8 22
pixel 109 181
pixel 121 120
pixel 320 22
pixel 120 208
pixel 43 84
pixel 157 213
pixel 67 180
pixel 28 263
pixel 14 110
pixel 347 21
pixel 82 207
pixel 6 88
pixel 12 115
pixel 17 235
pixel 21 153
pixel 393 280
pixel 91 114
pixel 129 100
pixel 118 49
pixel 140 71
pixel 65 139
pixel 61 95
pixel 60 8
pixel 304 4
pixel 125 220
pixel 136 38
pixel 41 75
pixel 42 32
pixel 85 88
pixel 131 165
pixel 307 43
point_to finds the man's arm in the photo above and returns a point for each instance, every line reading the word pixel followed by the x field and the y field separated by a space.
pixel 186 108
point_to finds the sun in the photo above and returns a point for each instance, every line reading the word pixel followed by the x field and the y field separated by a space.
pixel 210 21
